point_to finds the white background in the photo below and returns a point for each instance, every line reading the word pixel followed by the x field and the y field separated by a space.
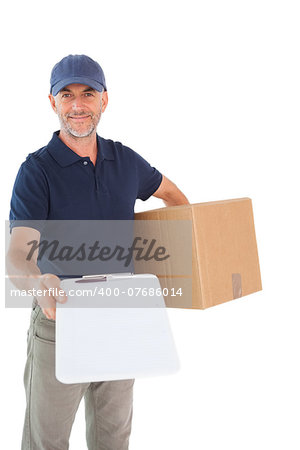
pixel 207 92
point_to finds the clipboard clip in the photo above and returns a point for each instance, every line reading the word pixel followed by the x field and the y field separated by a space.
pixel 102 277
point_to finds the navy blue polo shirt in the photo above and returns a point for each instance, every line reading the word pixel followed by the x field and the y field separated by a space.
pixel 54 183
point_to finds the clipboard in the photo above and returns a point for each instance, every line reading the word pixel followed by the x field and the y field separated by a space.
pixel 116 333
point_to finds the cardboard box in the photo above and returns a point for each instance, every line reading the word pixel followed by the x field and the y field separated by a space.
pixel 223 250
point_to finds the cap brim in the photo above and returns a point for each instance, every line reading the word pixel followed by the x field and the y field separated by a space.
pixel 77 80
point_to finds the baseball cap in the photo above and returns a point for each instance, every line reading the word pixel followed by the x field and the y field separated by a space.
pixel 79 69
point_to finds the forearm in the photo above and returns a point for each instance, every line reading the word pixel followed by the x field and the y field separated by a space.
pixel 170 194
pixel 175 200
pixel 22 273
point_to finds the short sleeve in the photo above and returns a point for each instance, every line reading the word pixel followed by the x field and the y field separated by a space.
pixel 30 197
pixel 149 178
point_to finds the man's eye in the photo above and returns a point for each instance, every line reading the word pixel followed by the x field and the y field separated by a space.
pixel 65 95
pixel 89 94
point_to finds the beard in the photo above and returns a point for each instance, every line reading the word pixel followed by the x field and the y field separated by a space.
pixel 87 130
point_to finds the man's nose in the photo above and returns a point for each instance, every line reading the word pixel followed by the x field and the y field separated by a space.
pixel 77 102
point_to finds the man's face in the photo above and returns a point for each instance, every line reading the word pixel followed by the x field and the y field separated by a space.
pixel 79 109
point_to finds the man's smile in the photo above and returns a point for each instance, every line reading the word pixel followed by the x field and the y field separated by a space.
pixel 78 118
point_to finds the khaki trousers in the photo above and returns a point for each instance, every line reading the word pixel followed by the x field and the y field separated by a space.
pixel 52 405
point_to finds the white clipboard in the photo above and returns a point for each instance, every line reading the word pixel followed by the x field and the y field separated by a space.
pixel 119 335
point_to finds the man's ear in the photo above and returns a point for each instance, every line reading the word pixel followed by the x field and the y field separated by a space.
pixel 52 101
pixel 104 100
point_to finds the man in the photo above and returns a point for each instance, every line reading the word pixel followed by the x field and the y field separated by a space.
pixel 78 175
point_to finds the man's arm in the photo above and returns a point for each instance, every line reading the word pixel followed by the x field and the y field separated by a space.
pixel 26 275
pixel 170 194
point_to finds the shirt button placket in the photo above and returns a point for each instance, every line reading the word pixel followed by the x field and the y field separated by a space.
pixel 96 175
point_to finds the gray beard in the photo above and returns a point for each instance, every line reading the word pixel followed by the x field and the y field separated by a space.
pixel 68 128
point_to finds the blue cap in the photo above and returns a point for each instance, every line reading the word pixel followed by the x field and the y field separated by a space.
pixel 79 69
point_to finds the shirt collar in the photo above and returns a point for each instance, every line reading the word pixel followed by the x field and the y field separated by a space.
pixel 64 156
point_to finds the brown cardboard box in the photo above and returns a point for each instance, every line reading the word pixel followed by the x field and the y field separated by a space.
pixel 223 250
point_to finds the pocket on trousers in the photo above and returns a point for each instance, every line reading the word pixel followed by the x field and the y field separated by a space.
pixel 43 341
pixel 45 331
pixel 43 358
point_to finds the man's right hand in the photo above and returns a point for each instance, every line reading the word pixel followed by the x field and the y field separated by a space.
pixel 25 274
pixel 50 285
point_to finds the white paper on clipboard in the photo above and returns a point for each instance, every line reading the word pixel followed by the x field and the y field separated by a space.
pixel 101 343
